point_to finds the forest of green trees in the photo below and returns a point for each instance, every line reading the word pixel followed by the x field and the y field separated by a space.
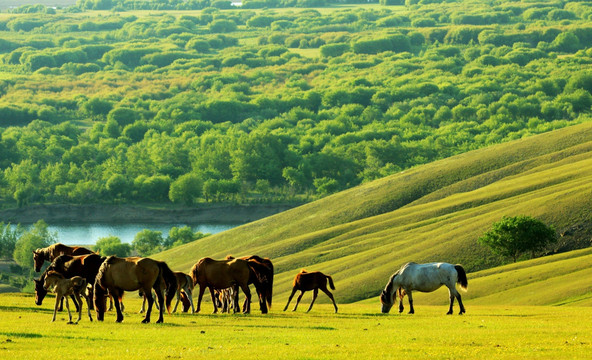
pixel 273 104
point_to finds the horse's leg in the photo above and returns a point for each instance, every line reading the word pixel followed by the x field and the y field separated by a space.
pixel 143 308
pixel 410 297
pixel 73 297
pixel 57 305
pixel 190 297
pixel 90 296
pixel 202 289
pixel 330 295
pixel 290 298
pixel 315 293
pixel 451 297
pixel 68 307
pixel 148 294
pixel 88 305
pixel 212 293
pixel 61 307
pixel 298 300
pixel 460 303
pixel 115 296
pixel 400 296
pixel 110 303
pixel 79 301
pixel 160 298
pixel 178 293
pixel 247 291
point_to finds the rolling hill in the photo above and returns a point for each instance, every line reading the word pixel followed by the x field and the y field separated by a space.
pixel 436 212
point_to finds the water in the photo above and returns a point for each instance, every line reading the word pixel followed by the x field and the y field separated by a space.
pixel 88 234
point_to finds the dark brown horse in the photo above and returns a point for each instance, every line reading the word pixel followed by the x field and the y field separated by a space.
pixel 53 251
pixel 305 281
pixel 85 266
pixel 222 274
pixel 117 275
pixel 262 277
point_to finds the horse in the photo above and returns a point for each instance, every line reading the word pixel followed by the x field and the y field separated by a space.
pixel 222 274
pixel 424 278
pixel 184 287
pixel 117 275
pixel 262 278
pixel 305 281
pixel 53 251
pixel 63 287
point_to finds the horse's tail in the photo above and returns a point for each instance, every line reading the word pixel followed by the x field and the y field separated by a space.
pixel 462 277
pixel 330 282
pixel 171 283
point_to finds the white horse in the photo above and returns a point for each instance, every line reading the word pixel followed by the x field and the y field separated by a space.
pixel 424 278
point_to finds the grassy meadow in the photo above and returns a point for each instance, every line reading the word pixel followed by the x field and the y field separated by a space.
pixel 434 212
pixel 358 331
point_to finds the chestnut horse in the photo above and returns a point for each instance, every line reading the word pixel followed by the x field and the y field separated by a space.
pixel 85 266
pixel 424 278
pixel 117 275
pixel 63 287
pixel 305 281
pixel 184 291
pixel 262 278
pixel 222 274
pixel 53 251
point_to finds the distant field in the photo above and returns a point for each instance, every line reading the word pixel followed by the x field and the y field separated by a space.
pixel 357 332
pixel 5 4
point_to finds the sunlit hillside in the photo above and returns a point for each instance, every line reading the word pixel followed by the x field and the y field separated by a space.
pixel 434 212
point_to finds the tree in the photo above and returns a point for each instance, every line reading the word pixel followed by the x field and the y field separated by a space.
pixel 513 236
pixel 112 245
pixel 185 189
pixel 147 242
pixel 37 237
pixel 183 235
pixel 8 238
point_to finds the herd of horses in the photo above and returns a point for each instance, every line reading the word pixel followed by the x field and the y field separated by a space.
pixel 77 272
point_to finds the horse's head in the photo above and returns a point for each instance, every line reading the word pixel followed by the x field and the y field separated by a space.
pixel 39 259
pixel 386 301
pixel 40 291
pixel 100 301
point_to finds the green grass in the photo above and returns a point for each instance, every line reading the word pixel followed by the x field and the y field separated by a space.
pixel 357 332
pixel 434 212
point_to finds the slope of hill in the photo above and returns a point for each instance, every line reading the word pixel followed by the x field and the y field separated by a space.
pixel 434 212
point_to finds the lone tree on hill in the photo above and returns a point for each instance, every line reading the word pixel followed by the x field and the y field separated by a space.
pixel 513 236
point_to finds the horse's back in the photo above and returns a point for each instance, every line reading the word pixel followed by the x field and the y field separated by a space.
pixel 426 277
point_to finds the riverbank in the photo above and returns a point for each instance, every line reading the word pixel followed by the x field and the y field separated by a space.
pixel 117 214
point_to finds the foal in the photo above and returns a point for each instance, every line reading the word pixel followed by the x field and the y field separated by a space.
pixel 305 281
pixel 63 287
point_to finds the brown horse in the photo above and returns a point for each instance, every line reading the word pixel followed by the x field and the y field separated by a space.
pixel 305 281
pixel 262 278
pixel 222 274
pixel 184 291
pixel 53 251
pixel 117 275
pixel 63 287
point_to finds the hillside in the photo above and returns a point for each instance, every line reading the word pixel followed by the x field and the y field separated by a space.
pixel 434 212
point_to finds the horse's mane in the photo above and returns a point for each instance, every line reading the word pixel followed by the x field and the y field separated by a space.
pixel 389 286
pixel 303 271
pixel 100 279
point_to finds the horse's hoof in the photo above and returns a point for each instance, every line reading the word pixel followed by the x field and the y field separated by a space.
pixel 145 321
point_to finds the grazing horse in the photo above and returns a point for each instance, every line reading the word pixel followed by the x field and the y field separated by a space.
pixel 63 287
pixel 117 275
pixel 262 278
pixel 184 285
pixel 305 281
pixel 184 290
pixel 53 251
pixel 222 274
pixel 424 278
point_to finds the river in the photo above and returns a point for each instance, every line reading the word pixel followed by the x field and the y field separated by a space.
pixel 88 234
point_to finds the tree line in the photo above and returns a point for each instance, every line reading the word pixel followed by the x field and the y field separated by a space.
pixel 261 106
